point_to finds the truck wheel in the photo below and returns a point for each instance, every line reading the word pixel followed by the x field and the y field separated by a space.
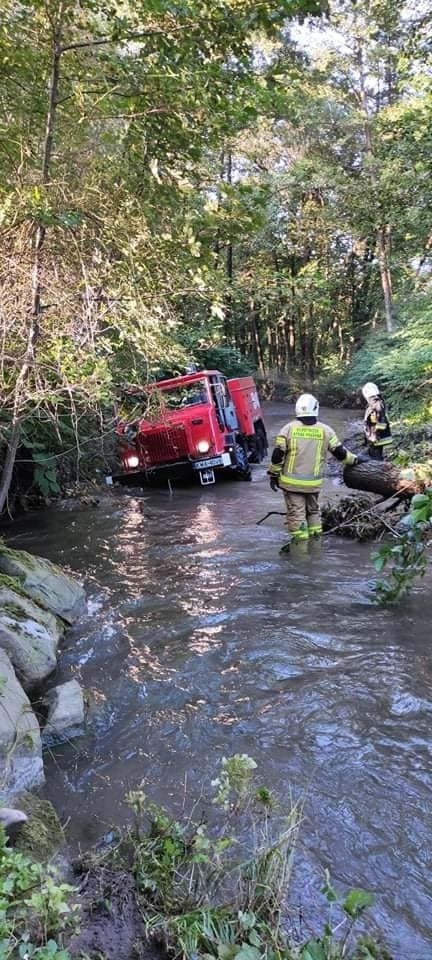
pixel 242 470
pixel 258 443
pixel 254 455
pixel 261 441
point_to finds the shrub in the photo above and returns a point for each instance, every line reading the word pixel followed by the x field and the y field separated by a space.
pixel 400 363
pixel 216 890
pixel 409 555
pixel 34 908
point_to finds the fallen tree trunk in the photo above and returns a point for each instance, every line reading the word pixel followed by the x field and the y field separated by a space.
pixel 377 476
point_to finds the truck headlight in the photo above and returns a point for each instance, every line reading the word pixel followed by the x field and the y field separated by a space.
pixel 132 461
pixel 203 446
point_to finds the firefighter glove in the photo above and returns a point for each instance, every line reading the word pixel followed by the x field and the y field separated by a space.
pixel 362 458
pixel 274 484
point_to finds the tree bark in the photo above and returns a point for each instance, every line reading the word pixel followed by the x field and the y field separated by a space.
pixel 381 477
pixel 385 274
pixel 259 355
pixel 382 232
pixel 36 286
pixel 229 262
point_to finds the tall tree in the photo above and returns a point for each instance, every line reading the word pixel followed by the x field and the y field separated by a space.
pixel 107 110
pixel 342 160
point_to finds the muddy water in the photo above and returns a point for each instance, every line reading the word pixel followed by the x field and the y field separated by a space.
pixel 201 641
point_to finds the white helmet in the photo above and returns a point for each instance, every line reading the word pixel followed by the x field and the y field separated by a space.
pixel 307 406
pixel 370 390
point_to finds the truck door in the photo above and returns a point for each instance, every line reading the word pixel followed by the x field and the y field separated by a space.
pixel 224 405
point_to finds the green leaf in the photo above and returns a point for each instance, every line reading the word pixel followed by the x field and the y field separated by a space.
pixel 420 516
pixel 329 891
pixel 254 938
pixel 42 457
pixel 25 950
pixel 356 901
pixel 313 950
pixel 69 219
pixel 263 796
pixel 247 952
pixel 247 919
pixel 420 500
pixel 379 562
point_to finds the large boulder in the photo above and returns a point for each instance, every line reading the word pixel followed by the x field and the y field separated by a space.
pixel 65 712
pixel 44 582
pixel 21 766
pixel 29 635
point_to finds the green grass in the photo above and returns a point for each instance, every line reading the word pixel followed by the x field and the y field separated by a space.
pixel 401 363
pixel 218 888
pixel 213 888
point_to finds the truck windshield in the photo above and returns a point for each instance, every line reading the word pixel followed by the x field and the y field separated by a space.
pixel 184 395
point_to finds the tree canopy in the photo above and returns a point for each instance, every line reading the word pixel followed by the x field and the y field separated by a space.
pixel 242 181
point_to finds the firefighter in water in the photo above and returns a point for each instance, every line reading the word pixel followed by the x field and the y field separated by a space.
pixel 297 466
pixel 376 423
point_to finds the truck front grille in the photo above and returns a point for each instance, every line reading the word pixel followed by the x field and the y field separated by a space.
pixel 164 445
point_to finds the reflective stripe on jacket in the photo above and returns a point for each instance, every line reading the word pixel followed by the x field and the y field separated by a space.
pixel 305 448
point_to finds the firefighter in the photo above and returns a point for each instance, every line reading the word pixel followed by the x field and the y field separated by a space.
pixel 376 423
pixel 297 466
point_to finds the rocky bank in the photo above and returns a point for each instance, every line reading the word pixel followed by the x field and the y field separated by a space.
pixel 38 601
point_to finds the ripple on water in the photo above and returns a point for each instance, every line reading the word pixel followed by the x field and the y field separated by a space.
pixel 201 641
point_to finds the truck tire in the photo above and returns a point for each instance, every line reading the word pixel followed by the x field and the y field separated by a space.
pixel 254 455
pixel 257 445
pixel 261 441
pixel 242 470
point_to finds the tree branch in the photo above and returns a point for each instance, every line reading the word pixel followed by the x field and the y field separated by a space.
pixel 104 41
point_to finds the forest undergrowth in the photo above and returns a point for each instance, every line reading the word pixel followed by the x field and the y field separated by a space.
pixel 212 884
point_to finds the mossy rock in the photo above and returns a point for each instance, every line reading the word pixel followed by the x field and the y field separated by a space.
pixel 42 836
pixel 29 635
pixel 15 584
pixel 21 765
pixel 43 582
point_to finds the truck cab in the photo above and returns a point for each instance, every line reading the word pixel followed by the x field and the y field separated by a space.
pixel 198 424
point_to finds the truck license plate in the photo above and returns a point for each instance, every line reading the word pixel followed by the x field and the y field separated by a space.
pixel 202 464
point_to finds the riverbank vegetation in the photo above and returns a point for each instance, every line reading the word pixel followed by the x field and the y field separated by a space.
pixel 36 910
pixel 408 556
pixel 245 185
pixel 213 884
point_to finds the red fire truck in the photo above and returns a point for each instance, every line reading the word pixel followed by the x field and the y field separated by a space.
pixel 197 424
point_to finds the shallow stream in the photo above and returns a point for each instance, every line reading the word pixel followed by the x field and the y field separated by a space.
pixel 201 641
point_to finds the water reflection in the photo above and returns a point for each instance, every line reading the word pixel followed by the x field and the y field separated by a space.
pixel 201 641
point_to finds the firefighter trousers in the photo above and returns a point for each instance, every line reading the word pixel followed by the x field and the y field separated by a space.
pixel 303 515
pixel 375 452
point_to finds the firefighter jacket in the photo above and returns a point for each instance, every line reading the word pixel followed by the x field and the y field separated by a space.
pixel 298 459
pixel 376 423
